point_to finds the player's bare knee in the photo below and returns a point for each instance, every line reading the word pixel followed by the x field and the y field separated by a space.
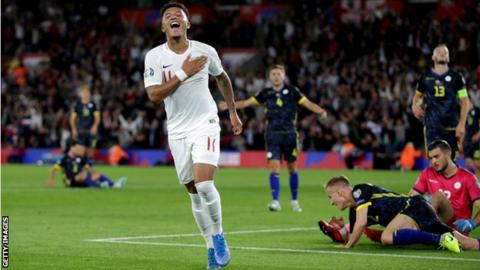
pixel 274 167
pixel 387 238
pixel 191 187
pixel 292 168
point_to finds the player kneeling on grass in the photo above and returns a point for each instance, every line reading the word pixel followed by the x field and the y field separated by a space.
pixel 76 172
pixel 407 220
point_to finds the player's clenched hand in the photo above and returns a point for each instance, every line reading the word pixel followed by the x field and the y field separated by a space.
pixel 418 110
pixel 476 137
pixel 74 134
pixel 193 65
pixel 222 106
pixel 236 123
pixel 93 130
pixel 323 114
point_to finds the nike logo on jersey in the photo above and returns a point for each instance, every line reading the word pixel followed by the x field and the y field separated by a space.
pixel 433 180
pixel 166 66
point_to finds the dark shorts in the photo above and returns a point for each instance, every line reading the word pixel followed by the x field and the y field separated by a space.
pixel 472 150
pixel 75 184
pixel 86 139
pixel 282 144
pixel 423 214
pixel 432 134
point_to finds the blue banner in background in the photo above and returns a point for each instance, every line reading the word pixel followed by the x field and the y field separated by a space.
pixel 244 159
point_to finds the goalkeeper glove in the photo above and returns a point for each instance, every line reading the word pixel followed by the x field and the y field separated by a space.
pixel 465 225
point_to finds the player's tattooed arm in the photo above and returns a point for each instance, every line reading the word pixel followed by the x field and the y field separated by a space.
pixel 225 86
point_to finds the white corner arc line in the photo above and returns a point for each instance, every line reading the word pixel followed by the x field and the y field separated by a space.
pixel 311 251
pixel 198 234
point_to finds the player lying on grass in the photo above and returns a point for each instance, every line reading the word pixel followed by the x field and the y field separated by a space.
pixel 407 220
pixel 77 172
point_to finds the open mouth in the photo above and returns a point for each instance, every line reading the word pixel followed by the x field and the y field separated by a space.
pixel 174 25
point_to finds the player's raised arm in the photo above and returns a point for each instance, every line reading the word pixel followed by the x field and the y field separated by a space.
pixel 305 102
pixel 360 225
pixel 225 86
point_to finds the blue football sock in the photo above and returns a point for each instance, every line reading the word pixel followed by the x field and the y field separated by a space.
pixel 103 178
pixel 90 183
pixel 294 185
pixel 275 185
pixel 411 236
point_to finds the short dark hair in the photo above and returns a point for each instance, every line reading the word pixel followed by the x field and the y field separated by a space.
pixel 440 144
pixel 174 4
pixel 338 180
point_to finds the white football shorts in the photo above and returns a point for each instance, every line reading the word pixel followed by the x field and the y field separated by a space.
pixel 203 147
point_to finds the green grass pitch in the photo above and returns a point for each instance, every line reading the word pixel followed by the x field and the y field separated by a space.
pixel 149 225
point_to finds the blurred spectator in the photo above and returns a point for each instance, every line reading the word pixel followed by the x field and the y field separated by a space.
pixel 117 156
pixel 408 156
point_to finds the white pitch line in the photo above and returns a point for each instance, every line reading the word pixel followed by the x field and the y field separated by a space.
pixel 197 234
pixel 291 250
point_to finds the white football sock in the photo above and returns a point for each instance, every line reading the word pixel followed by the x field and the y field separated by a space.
pixel 204 222
pixel 211 200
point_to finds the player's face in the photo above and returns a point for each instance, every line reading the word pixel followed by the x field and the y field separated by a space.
pixel 79 150
pixel 84 94
pixel 439 159
pixel 335 194
pixel 175 22
pixel 441 56
pixel 277 76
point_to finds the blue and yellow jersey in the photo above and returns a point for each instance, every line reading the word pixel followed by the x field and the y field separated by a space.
pixel 281 107
pixel 441 93
pixel 473 123
pixel 85 115
pixel 70 167
pixel 383 205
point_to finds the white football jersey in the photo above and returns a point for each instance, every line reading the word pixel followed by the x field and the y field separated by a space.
pixel 191 106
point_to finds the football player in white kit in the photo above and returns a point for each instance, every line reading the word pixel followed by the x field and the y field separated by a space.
pixel 177 73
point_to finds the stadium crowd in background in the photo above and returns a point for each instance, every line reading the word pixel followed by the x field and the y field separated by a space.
pixel 363 73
